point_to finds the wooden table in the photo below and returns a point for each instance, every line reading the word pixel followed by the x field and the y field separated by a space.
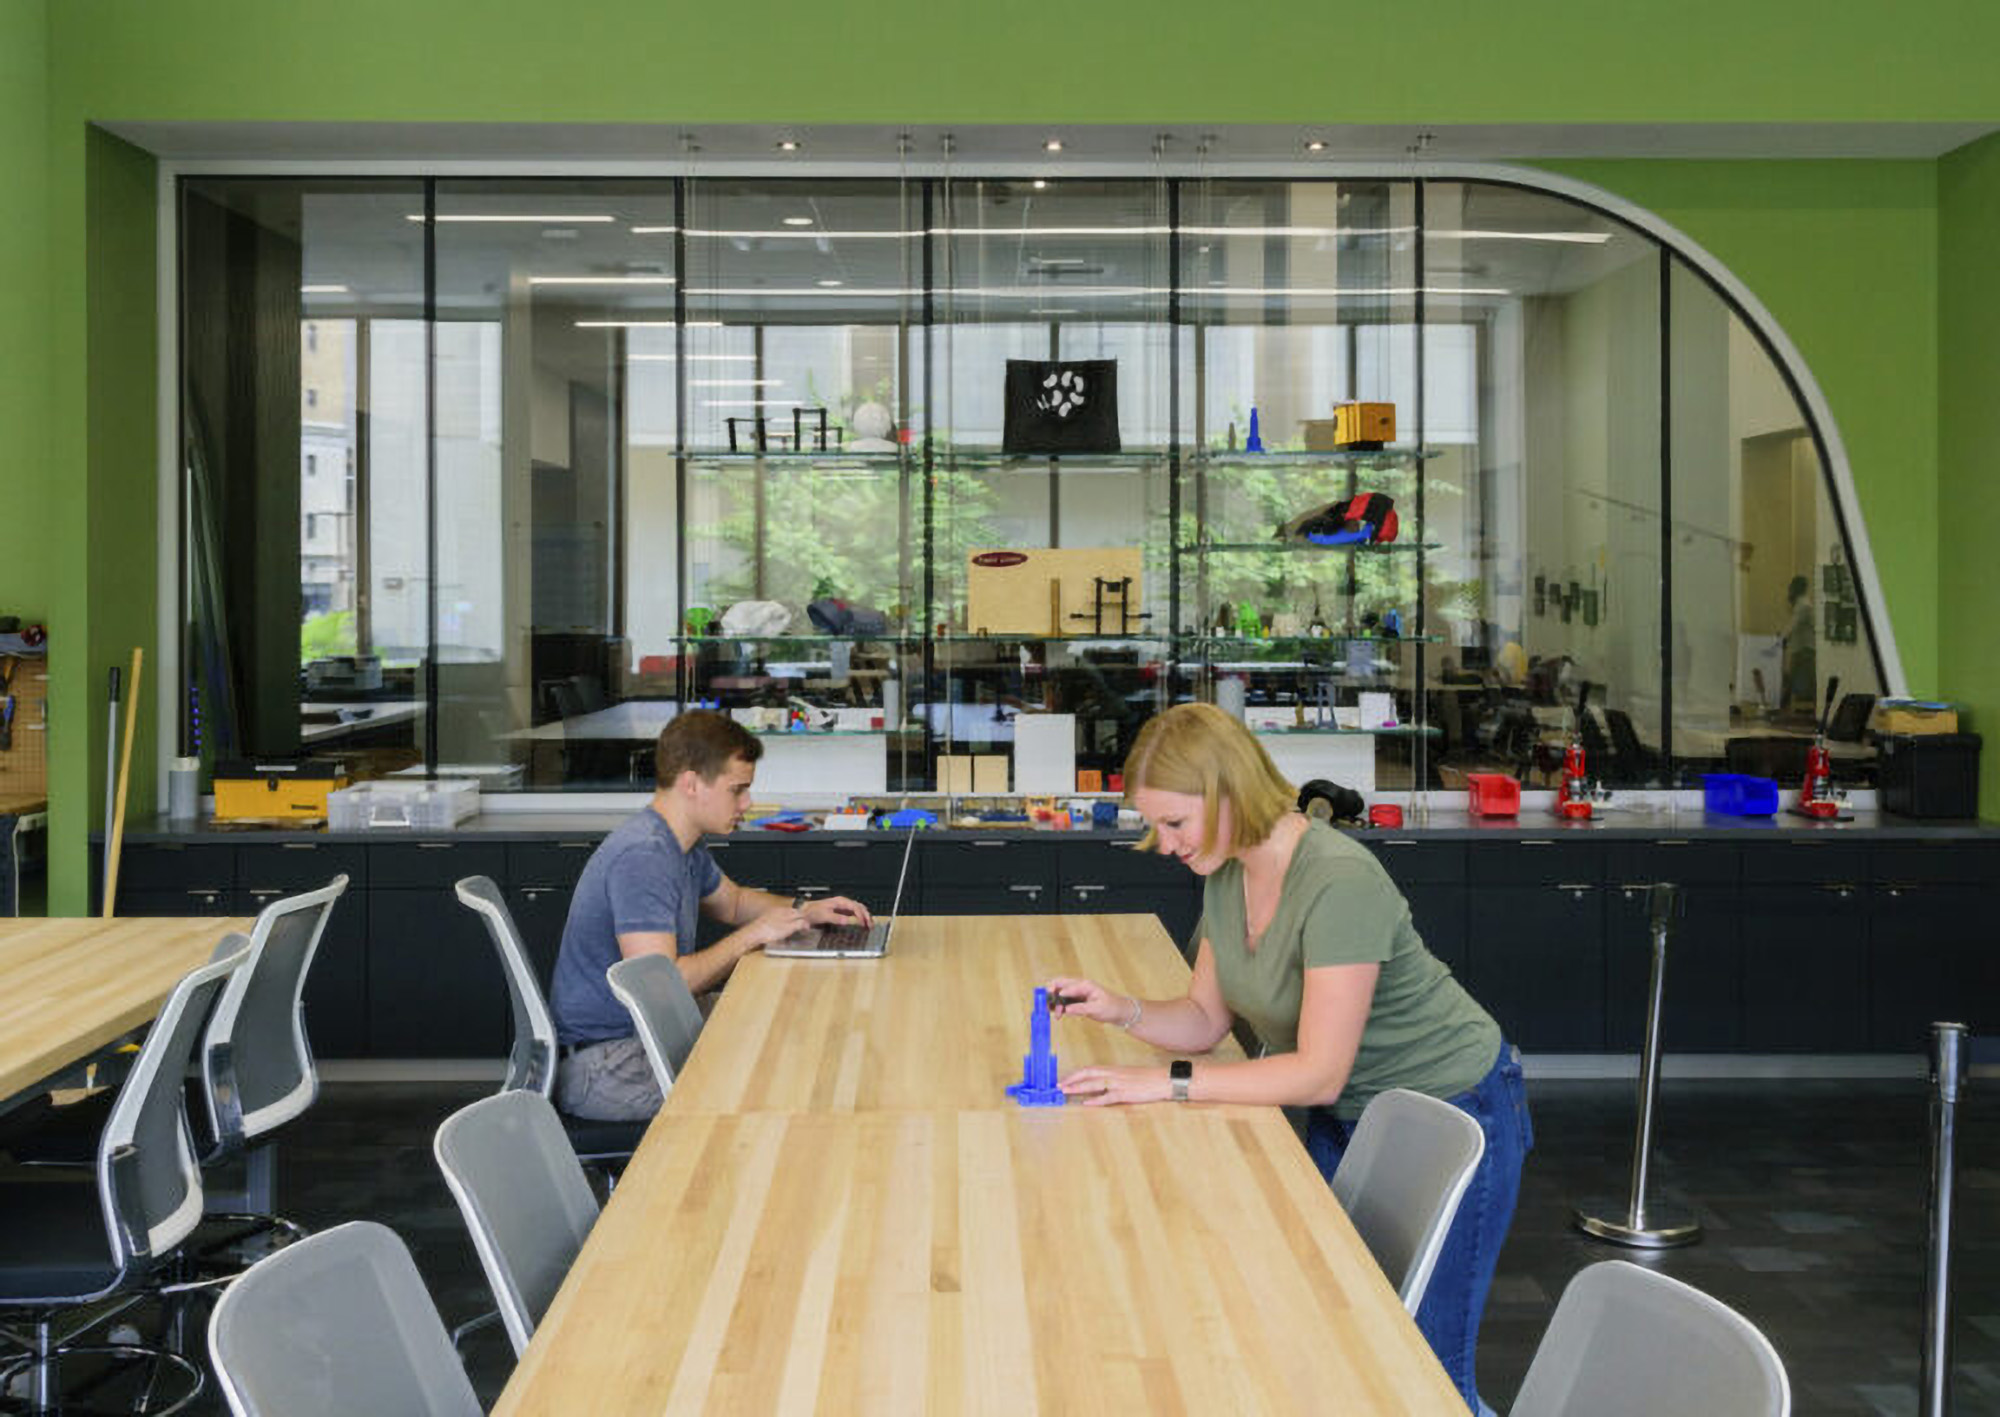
pixel 72 988
pixel 838 1211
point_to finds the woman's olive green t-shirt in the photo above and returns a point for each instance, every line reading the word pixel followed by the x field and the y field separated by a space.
pixel 1337 905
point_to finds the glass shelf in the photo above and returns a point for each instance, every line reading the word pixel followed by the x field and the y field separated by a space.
pixel 991 460
pixel 1401 730
pixel 830 458
pixel 1295 641
pixel 808 637
pixel 1014 638
pixel 1221 457
pixel 1369 548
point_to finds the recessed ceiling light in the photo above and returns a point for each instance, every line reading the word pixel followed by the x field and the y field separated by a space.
pixel 1315 145
pixel 322 290
pixel 1053 145
pixel 829 283
pixel 788 145
pixel 1040 184
pixel 798 221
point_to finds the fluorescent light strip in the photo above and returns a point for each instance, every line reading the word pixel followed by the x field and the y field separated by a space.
pixel 648 324
pixel 600 280
pixel 525 219
pixel 323 290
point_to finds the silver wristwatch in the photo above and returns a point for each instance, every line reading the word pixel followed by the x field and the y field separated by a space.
pixel 1180 1073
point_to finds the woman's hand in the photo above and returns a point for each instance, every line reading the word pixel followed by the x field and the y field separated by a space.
pixel 1084 998
pixel 837 910
pixel 1105 1087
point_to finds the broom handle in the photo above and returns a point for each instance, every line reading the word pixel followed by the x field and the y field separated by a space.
pixel 117 839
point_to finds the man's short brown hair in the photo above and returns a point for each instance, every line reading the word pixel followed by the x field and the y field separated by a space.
pixel 702 740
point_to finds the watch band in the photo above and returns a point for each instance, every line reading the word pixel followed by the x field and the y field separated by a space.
pixel 1179 1074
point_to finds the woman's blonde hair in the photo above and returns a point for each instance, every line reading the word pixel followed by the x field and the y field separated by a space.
pixel 1200 751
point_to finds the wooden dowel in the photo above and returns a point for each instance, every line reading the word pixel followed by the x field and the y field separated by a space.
pixel 117 826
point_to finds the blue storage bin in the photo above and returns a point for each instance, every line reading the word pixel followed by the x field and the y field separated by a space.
pixel 1735 794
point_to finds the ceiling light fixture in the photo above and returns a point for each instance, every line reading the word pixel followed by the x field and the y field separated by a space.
pixel 788 145
pixel 798 221
pixel 322 290
pixel 1040 185
pixel 543 220
pixel 1315 145
pixel 654 230
pixel 1053 145
pixel 600 280
pixel 829 284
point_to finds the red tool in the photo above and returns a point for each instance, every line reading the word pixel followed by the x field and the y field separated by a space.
pixel 1818 797
pixel 1574 794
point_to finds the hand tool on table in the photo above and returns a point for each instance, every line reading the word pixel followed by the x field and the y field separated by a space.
pixel 1574 794
pixel 1819 799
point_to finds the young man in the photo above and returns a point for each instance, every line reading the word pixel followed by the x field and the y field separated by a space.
pixel 640 894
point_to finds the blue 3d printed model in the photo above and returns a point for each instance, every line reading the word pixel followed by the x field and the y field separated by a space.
pixel 1037 1087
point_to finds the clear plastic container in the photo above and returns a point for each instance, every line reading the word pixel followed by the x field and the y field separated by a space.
pixel 410 806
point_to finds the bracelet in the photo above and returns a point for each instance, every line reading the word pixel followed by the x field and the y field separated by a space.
pixel 1137 1010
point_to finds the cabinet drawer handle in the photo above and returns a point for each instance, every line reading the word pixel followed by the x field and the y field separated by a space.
pixel 1536 842
pixel 1080 890
pixel 991 843
pixel 812 890
pixel 1674 841
pixel 852 845
pixel 436 845
pixel 298 846
pixel 1025 890
pixel 1843 889
pixel 590 845
pixel 1399 841
pixel 1578 886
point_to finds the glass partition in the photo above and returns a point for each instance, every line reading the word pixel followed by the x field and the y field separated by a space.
pixel 1542 383
pixel 497 475
pixel 1767 608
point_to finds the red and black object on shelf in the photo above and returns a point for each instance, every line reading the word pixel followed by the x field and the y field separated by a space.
pixel 1819 799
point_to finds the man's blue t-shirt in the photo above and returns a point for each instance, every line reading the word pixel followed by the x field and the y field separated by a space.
pixel 638 879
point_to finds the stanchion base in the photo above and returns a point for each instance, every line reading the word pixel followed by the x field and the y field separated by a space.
pixel 1666 1227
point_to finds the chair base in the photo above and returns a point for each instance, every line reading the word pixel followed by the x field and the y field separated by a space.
pixel 44 1391
pixel 1658 1227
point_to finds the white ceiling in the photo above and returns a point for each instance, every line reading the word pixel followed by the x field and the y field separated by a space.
pixel 1013 148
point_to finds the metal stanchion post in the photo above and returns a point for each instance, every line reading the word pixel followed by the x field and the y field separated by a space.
pixel 1640 1223
pixel 1947 1077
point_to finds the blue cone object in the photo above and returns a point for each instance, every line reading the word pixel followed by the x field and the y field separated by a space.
pixel 1037 1087
pixel 1254 443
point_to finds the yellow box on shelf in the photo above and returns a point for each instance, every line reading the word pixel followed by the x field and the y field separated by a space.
pixel 282 791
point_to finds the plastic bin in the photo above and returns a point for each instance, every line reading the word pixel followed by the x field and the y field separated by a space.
pixel 1492 794
pixel 412 806
pixel 1735 794
pixel 1928 774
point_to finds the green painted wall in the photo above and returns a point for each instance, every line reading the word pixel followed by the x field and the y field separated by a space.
pixel 1844 256
pixel 24 308
pixel 1969 444
pixel 1442 61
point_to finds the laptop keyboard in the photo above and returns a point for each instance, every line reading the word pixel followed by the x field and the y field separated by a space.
pixel 842 937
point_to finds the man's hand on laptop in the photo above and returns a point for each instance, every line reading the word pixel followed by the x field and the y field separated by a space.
pixel 780 923
pixel 837 910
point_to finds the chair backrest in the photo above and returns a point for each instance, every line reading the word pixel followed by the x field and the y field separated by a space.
pixel 531 1057
pixel 522 1191
pixel 1630 1341
pixel 257 1067
pixel 1401 1179
pixel 664 1013
pixel 148 1176
pixel 334 1324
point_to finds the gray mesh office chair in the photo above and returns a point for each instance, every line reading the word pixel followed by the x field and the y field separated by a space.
pixel 531 1057
pixel 1629 1341
pixel 337 1324
pixel 257 1065
pixel 663 1012
pixel 524 1197
pixel 73 1242
pixel 1401 1179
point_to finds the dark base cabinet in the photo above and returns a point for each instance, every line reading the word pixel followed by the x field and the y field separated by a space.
pixel 1833 943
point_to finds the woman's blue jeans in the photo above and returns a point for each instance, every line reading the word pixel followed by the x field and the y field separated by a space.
pixel 1449 1315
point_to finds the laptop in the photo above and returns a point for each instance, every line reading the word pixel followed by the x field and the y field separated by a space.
pixel 848 941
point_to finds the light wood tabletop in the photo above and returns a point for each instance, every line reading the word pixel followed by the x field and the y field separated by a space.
pixel 941 1021
pixel 69 988
pixel 1070 1260
pixel 840 1211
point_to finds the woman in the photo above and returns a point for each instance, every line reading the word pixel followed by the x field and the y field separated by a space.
pixel 1305 938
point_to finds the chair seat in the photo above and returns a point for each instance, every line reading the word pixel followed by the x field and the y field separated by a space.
pixel 67 1135
pixel 53 1247
pixel 591 1138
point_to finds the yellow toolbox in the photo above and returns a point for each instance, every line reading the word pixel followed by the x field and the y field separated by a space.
pixel 279 791
pixel 1359 425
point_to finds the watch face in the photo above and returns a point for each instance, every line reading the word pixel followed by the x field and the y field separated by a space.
pixel 1181 1070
